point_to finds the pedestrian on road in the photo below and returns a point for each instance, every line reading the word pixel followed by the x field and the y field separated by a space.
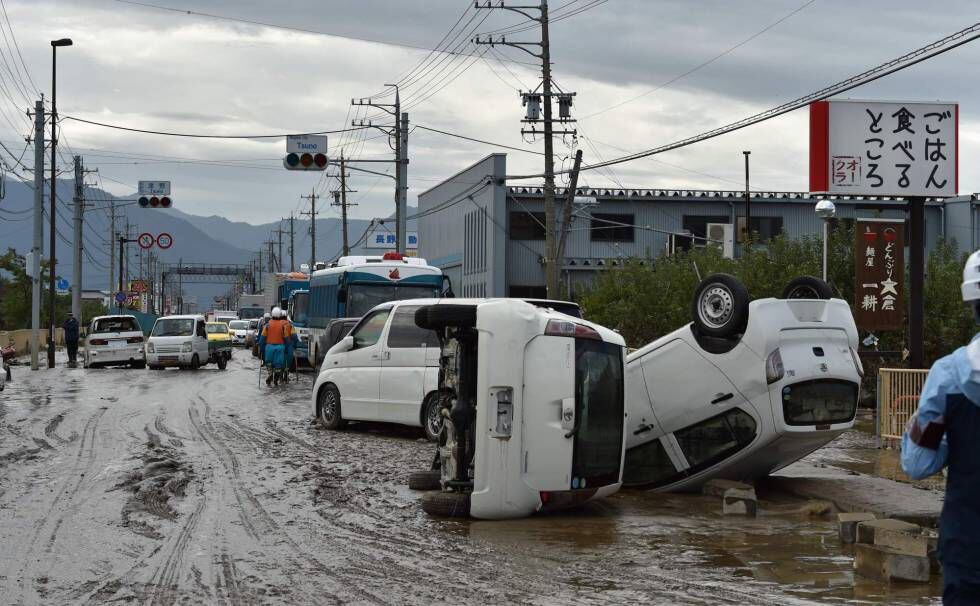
pixel 71 338
pixel 276 334
pixel 944 433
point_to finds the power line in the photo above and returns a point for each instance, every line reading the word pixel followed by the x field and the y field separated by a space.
pixel 919 55
pixel 203 136
pixel 458 136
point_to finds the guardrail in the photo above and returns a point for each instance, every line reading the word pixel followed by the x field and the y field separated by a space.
pixel 898 398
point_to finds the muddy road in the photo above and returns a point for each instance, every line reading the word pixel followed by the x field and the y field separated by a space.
pixel 165 487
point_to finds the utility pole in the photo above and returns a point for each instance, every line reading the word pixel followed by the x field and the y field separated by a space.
pixel 292 242
pixel 112 248
pixel 272 256
pixel 917 227
pixel 279 231
pixel 312 214
pixel 748 202
pixel 340 199
pixel 533 100
pixel 566 216
pixel 79 200
pixel 38 231
pixel 399 132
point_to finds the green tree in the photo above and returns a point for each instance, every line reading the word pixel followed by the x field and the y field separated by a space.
pixel 15 306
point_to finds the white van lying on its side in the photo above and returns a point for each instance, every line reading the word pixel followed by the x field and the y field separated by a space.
pixel 783 384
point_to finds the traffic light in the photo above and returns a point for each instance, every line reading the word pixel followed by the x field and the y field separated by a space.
pixel 155 202
pixel 305 161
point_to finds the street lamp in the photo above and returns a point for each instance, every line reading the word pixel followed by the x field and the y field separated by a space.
pixel 54 196
pixel 826 210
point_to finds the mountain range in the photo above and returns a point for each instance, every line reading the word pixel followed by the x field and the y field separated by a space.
pixel 196 239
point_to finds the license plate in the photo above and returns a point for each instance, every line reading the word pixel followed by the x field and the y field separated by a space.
pixel 169 358
pixel 117 344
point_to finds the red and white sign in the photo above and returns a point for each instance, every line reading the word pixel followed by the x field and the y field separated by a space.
pixel 165 240
pixel 146 240
pixel 894 148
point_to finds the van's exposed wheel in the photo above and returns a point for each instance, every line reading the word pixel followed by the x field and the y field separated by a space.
pixel 328 408
pixel 438 317
pixel 222 363
pixel 155 367
pixel 139 364
pixel 425 480
pixel 432 417
pixel 447 504
pixel 195 362
pixel 721 306
pixel 808 287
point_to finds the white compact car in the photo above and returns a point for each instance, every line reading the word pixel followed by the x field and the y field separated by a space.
pixel 238 329
pixel 775 380
pixel 178 341
pixel 534 409
pixel 387 368
pixel 114 341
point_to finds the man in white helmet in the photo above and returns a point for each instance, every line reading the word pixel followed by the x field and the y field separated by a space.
pixel 945 432
pixel 276 341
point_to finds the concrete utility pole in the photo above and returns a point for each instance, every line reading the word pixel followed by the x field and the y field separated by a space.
pixel 917 308
pixel 531 99
pixel 38 231
pixel 79 200
pixel 312 214
pixel 566 217
pixel 112 246
pixel 292 242
pixel 340 199
pixel 748 202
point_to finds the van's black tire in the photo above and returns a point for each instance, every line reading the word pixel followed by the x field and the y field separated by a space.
pixel 222 363
pixel 446 504
pixel 808 287
pixel 139 365
pixel 326 418
pixel 438 317
pixel 430 408
pixel 425 480
pixel 721 306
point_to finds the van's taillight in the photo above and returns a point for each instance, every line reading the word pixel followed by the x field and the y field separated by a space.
pixel 774 367
pixel 858 365
pixel 134 340
pixel 98 342
pixel 545 497
pixel 564 328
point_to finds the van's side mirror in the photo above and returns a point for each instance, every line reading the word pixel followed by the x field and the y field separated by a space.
pixel 341 295
pixel 346 344
pixel 448 283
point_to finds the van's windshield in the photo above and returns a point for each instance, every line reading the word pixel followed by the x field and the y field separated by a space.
pixel 173 327
pixel 599 409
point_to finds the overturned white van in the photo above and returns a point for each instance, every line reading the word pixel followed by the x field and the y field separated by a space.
pixel 744 390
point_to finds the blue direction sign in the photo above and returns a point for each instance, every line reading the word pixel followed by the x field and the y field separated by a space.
pixel 121 297
pixel 62 286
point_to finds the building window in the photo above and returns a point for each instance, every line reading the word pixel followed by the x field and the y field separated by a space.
pixel 526 226
pixel 605 228
pixel 528 292
pixel 698 226
pixel 763 228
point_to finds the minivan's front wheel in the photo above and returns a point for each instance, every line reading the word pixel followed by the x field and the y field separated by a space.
pixel 721 306
pixel 808 287
pixel 328 408
pixel 432 417
pixel 447 504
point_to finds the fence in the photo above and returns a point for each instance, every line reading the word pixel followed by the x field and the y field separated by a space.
pixel 898 397
pixel 21 339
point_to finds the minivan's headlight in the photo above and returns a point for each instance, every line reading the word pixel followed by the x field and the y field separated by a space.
pixel 149 347
pixel 187 347
pixel 774 366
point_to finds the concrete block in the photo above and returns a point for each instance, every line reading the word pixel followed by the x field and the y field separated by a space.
pixel 848 522
pixel 886 564
pixel 866 531
pixel 740 502
pixel 912 544
pixel 717 488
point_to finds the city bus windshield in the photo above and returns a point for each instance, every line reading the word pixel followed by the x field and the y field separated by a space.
pixel 362 297
pixel 247 313
pixel 299 306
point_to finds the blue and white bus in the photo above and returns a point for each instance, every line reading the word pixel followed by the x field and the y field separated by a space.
pixel 297 310
pixel 353 285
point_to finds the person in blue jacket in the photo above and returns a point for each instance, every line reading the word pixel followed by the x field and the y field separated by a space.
pixel 945 432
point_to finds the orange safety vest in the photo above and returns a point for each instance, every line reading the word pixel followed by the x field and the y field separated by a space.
pixel 276 332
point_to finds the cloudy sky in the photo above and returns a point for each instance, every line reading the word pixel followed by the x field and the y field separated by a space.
pixel 149 68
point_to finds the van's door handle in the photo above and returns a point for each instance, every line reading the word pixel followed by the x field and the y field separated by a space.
pixel 721 397
pixel 642 429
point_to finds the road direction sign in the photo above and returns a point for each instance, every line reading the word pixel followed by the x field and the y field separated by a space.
pixel 306 152
pixel 165 240
pixel 146 240
pixel 120 297
pixel 154 188
pixel 62 286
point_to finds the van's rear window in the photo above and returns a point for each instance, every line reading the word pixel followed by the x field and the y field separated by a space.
pixel 820 402
pixel 115 325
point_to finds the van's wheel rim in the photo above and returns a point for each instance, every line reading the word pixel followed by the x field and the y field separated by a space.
pixel 717 306
pixel 433 419
pixel 328 409
pixel 803 292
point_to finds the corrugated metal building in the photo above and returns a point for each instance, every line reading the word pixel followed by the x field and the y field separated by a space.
pixel 488 236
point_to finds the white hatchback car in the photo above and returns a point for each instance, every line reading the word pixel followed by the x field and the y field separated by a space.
pixel 239 332
pixel 114 341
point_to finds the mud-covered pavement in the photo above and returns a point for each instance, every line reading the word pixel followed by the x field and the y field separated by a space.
pixel 161 487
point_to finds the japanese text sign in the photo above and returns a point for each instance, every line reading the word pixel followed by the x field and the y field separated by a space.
pixel 879 274
pixel 875 148
pixel 380 237
pixel 154 188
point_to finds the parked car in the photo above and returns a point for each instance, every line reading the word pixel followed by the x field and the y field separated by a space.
pixel 180 341
pixel 534 408
pixel 337 329
pixel 744 390
pixel 219 343
pixel 387 368
pixel 252 334
pixel 238 330
pixel 114 341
